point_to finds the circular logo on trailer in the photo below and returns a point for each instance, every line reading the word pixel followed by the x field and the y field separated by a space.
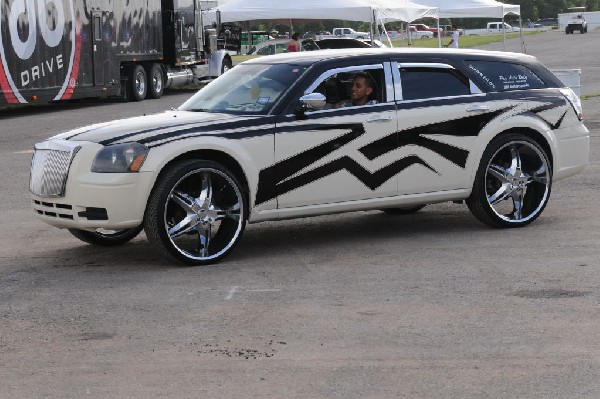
pixel 40 48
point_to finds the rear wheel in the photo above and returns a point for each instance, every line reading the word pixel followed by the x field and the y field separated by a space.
pixel 107 238
pixel 196 212
pixel 513 182
pixel 155 81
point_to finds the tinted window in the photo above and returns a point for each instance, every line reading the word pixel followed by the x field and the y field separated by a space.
pixel 502 76
pixel 419 83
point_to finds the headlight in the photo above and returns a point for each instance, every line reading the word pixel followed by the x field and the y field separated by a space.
pixel 120 158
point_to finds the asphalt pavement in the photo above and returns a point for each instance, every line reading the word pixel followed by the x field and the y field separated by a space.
pixel 359 305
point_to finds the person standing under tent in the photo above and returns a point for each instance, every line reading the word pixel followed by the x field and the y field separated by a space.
pixel 294 44
pixel 454 42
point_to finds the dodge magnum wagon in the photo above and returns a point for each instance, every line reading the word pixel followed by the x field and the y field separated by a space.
pixel 282 137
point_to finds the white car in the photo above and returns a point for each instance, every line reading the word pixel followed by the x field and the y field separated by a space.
pixel 262 142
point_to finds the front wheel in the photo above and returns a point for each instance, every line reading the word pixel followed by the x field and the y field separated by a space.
pixel 513 182
pixel 106 238
pixel 196 212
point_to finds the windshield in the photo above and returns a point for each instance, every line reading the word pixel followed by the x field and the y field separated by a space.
pixel 246 89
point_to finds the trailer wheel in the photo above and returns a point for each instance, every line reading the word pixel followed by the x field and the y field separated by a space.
pixel 155 81
pixel 138 83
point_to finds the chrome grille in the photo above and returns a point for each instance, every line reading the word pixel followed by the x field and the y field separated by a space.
pixel 50 168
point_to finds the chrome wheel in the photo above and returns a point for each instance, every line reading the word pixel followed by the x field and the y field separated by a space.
pixel 513 185
pixel 202 214
pixel 137 86
pixel 155 86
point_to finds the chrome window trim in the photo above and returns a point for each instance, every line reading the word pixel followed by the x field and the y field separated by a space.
pixel 389 82
pixel 420 100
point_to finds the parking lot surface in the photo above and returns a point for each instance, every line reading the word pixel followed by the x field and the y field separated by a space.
pixel 430 305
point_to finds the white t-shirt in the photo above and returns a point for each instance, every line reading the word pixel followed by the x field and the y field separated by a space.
pixel 454 39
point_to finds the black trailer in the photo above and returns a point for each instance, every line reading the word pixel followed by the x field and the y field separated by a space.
pixel 66 49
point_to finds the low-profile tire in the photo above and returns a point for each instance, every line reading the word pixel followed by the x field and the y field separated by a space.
pixel 513 183
pixel 404 211
pixel 155 81
pixel 196 212
pixel 226 65
pixel 106 238
pixel 138 83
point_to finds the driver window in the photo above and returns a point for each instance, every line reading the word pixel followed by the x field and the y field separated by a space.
pixel 337 87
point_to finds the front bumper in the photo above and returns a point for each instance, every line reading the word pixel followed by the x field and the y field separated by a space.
pixel 96 200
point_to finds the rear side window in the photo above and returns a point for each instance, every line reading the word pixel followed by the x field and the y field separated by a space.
pixel 425 82
pixel 504 76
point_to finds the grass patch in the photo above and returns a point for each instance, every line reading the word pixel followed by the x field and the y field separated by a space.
pixel 588 96
pixel 464 41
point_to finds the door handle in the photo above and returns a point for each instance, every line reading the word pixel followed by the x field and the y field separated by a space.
pixel 478 108
pixel 379 118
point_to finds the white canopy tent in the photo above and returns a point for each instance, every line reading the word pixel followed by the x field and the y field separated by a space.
pixel 472 8
pixel 348 10
pixel 475 9
pixel 373 11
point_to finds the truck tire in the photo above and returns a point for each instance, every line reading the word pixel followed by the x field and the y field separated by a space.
pixel 155 80
pixel 138 83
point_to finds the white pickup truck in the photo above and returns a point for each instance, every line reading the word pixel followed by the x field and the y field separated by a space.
pixel 492 27
pixel 349 32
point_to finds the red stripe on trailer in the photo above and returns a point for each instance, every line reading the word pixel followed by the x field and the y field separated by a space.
pixel 75 70
pixel 6 90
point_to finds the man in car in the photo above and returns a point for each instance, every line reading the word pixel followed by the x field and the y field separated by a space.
pixel 363 92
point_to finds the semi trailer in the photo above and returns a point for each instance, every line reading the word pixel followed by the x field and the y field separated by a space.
pixel 65 49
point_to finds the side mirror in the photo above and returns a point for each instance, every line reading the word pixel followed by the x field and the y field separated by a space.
pixel 313 101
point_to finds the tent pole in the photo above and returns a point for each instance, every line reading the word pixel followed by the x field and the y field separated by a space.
pixel 521 32
pixel 439 33
pixel 503 31
pixel 372 26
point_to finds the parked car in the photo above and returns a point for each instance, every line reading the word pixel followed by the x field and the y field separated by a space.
pixel 315 34
pixel 278 46
pixel 417 34
pixel 341 43
pixel 373 43
pixel 262 143
pixel 548 22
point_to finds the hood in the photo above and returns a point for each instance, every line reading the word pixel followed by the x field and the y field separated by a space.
pixel 147 129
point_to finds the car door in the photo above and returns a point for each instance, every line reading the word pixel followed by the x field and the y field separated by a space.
pixel 321 156
pixel 440 113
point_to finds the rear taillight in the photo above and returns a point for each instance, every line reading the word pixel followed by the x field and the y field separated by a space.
pixel 574 100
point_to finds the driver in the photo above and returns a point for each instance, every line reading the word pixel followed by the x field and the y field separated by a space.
pixel 363 92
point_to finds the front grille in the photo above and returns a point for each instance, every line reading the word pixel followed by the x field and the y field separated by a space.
pixel 50 168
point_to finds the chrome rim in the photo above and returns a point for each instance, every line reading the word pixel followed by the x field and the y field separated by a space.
pixel 157 81
pixel 517 182
pixel 140 83
pixel 203 214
